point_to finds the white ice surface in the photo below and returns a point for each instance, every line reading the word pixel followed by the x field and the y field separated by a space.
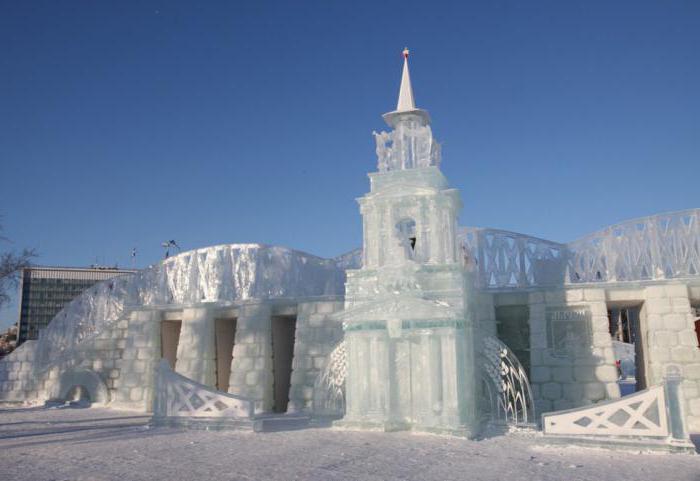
pixel 99 444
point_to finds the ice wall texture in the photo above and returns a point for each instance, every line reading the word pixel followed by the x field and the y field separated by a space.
pixel 349 260
pixel 664 246
pixel 223 274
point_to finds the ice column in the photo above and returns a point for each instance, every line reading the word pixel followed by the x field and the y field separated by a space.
pixel 196 350
pixel 251 367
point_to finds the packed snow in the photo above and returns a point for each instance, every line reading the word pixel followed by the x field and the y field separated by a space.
pixel 100 444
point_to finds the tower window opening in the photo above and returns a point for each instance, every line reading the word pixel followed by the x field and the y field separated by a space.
pixel 406 231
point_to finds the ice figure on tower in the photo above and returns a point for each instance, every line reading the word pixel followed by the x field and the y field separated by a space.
pixel 408 326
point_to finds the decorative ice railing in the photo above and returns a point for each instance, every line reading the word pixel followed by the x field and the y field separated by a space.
pixel 639 414
pixel 508 260
pixel 177 396
pixel 507 388
pixel 663 246
pixel 653 417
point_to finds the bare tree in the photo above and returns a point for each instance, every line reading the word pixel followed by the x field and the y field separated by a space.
pixel 11 263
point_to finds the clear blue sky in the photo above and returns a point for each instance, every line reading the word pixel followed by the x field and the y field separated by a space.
pixel 123 124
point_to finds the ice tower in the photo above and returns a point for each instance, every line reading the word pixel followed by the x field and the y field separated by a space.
pixel 407 319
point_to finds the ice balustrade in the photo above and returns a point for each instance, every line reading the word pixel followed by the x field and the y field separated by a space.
pixel 639 414
pixel 223 274
pixel 652 415
pixel 664 246
pixel 178 396
pixel 506 260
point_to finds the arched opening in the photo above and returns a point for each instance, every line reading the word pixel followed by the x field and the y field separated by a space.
pixel 406 231
pixel 81 386
pixel 78 395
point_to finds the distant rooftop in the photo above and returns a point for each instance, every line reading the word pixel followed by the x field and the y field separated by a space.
pixel 93 267
pixel 93 272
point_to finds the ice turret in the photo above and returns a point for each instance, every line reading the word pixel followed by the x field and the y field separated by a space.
pixel 410 144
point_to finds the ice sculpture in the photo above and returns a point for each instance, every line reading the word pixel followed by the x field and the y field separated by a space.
pixel 407 318
pixel 329 388
pixel 506 384
pixel 222 274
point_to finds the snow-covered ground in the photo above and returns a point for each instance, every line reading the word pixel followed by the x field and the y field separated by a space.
pixel 98 444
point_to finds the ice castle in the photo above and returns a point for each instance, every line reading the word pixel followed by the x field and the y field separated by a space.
pixel 428 327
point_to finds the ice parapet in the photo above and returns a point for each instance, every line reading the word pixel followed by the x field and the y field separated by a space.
pixel 662 246
pixel 222 274
pixel 506 259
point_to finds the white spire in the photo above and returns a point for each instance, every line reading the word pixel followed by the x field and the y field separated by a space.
pixel 406 106
pixel 406 101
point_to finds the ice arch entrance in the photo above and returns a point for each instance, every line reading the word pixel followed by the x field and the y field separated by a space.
pixel 81 385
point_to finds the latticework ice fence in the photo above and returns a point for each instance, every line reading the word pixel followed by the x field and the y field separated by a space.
pixel 664 246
